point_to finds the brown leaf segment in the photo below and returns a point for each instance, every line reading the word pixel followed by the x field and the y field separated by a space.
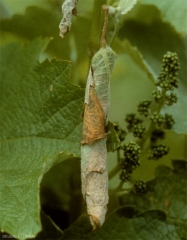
pixel 94 119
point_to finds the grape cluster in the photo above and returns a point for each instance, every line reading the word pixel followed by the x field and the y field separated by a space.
pixel 138 130
pixel 132 151
pixel 140 187
pixel 169 71
pixel 129 166
pixel 171 99
pixel 130 160
pixel 169 121
pixel 157 118
pixel 167 82
pixel 131 155
pixel 121 133
pixel 157 134
pixel 156 95
pixel 143 107
pixel 125 177
pixel 158 151
pixel 132 120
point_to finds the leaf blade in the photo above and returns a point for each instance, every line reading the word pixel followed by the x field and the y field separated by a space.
pixel 40 126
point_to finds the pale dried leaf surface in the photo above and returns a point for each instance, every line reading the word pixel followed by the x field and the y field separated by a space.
pixel 68 8
pixel 102 66
pixel 95 180
pixel 123 7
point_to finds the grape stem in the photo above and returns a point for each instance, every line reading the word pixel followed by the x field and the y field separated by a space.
pixel 151 127
pixel 114 171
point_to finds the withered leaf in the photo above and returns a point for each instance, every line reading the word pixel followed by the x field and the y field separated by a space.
pixel 94 119
pixel 68 8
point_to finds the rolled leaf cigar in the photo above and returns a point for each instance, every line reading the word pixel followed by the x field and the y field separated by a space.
pixel 94 172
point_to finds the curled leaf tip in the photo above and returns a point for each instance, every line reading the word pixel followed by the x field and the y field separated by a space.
pixel 68 8
pixel 97 216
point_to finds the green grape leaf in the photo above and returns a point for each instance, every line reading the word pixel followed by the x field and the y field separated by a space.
pixel 121 6
pixel 126 47
pixel 49 229
pixel 26 25
pixel 40 125
pixel 125 223
pixel 5 11
pixel 113 141
pixel 16 8
pixel 125 5
pixel 154 44
pixel 130 84
pixel 79 229
pixel 167 192
pixel 173 12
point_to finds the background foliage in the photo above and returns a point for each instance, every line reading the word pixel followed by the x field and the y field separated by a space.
pixel 41 122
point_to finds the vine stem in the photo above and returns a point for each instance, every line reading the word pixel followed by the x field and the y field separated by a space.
pixel 103 42
pixel 119 187
pixel 115 170
pixel 151 127
pixel 118 155
pixel 115 32
pixel 96 24
pixel 161 101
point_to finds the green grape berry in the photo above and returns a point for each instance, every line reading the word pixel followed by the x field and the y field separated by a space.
pixel 123 164
pixel 132 120
pixel 129 166
pixel 158 151
pixel 166 85
pixel 174 82
pixel 143 107
pixel 124 176
pixel 131 149
pixel 132 153
pixel 140 187
pixel 157 134
pixel 169 121
pixel 171 99
pixel 157 118
pixel 138 130
pixel 169 71
pixel 156 95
